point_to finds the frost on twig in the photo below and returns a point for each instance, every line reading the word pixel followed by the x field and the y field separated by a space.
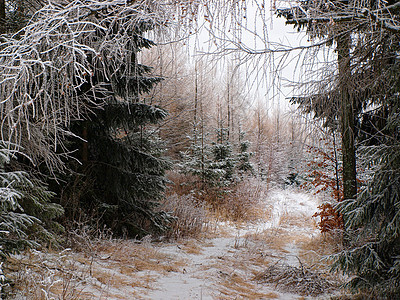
pixel 60 67
pixel 302 280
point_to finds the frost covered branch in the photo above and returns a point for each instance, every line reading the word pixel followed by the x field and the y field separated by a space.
pixel 58 67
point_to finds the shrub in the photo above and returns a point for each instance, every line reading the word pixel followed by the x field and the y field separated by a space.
pixel 190 215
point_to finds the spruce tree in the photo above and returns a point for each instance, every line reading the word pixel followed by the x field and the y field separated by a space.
pixel 373 220
pixel 244 166
pixel 198 159
pixel 26 213
pixel 369 61
pixel 122 158
pixel 217 164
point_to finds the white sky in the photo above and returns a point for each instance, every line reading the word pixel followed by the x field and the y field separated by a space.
pixel 269 75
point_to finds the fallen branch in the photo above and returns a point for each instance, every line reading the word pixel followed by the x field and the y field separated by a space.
pixel 301 280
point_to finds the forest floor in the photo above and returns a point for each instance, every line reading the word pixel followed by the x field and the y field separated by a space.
pixel 278 257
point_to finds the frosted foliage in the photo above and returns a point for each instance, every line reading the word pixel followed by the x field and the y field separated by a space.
pixel 13 220
pixel 8 180
pixel 44 66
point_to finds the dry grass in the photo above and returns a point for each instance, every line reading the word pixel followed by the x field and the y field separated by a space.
pixel 300 280
pixel 235 286
pixel 233 272
pixel 192 246
pixel 191 215
pixel 316 251
pixel 41 276
pixel 242 202
pixel 288 220
pixel 136 257
pixel 275 238
pixel 117 269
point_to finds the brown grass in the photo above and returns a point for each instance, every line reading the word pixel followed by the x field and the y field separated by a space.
pixel 242 202
pixel 300 280
pixel 191 215
pixel 316 248
pixel 119 264
pixel 288 220
pixel 234 286
pixel 192 246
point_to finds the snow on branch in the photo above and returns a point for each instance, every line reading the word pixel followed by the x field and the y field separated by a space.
pixel 331 12
pixel 56 68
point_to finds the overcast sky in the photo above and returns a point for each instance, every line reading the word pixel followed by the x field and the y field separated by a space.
pixel 269 75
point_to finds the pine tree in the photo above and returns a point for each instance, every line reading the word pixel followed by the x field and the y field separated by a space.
pixel 127 168
pixel 244 165
pixel 217 164
pixel 198 159
pixel 373 221
pixel 368 91
pixel 122 158
pixel 26 213
pixel 224 161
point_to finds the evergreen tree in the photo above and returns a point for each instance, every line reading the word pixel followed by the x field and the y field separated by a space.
pixel 373 221
pixel 244 166
pixel 198 159
pixel 369 79
pixel 126 166
pixel 122 158
pixel 216 164
pixel 224 160
pixel 26 213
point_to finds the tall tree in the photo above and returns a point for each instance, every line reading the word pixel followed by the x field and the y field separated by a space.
pixel 347 116
pixel 372 220
pixel 74 72
pixel 338 31
pixel 122 156
pixel 2 16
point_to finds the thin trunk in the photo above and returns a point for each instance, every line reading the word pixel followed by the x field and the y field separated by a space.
pixel 336 165
pixel 277 127
pixel 195 104
pixel 229 113
pixel 259 132
pixel 347 118
pixel 202 146
pixel 85 148
pixel 2 16
pixel 220 123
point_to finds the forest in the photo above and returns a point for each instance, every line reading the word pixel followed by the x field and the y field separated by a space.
pixel 149 145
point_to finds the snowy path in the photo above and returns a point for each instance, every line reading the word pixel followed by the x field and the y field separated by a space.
pixel 224 264
pixel 223 267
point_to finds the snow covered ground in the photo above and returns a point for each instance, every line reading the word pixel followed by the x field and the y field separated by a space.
pixel 224 264
pixel 233 254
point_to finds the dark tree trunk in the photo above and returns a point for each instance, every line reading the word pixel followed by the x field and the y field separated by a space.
pixel 347 118
pixel 85 147
pixel 2 16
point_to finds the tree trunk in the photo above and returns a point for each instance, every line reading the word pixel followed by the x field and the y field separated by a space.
pixel 229 110
pixel 195 104
pixel 337 178
pixel 347 118
pixel 85 146
pixel 2 16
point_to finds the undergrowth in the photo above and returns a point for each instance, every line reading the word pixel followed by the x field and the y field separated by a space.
pixel 190 215
pixel 301 280
pixel 239 202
